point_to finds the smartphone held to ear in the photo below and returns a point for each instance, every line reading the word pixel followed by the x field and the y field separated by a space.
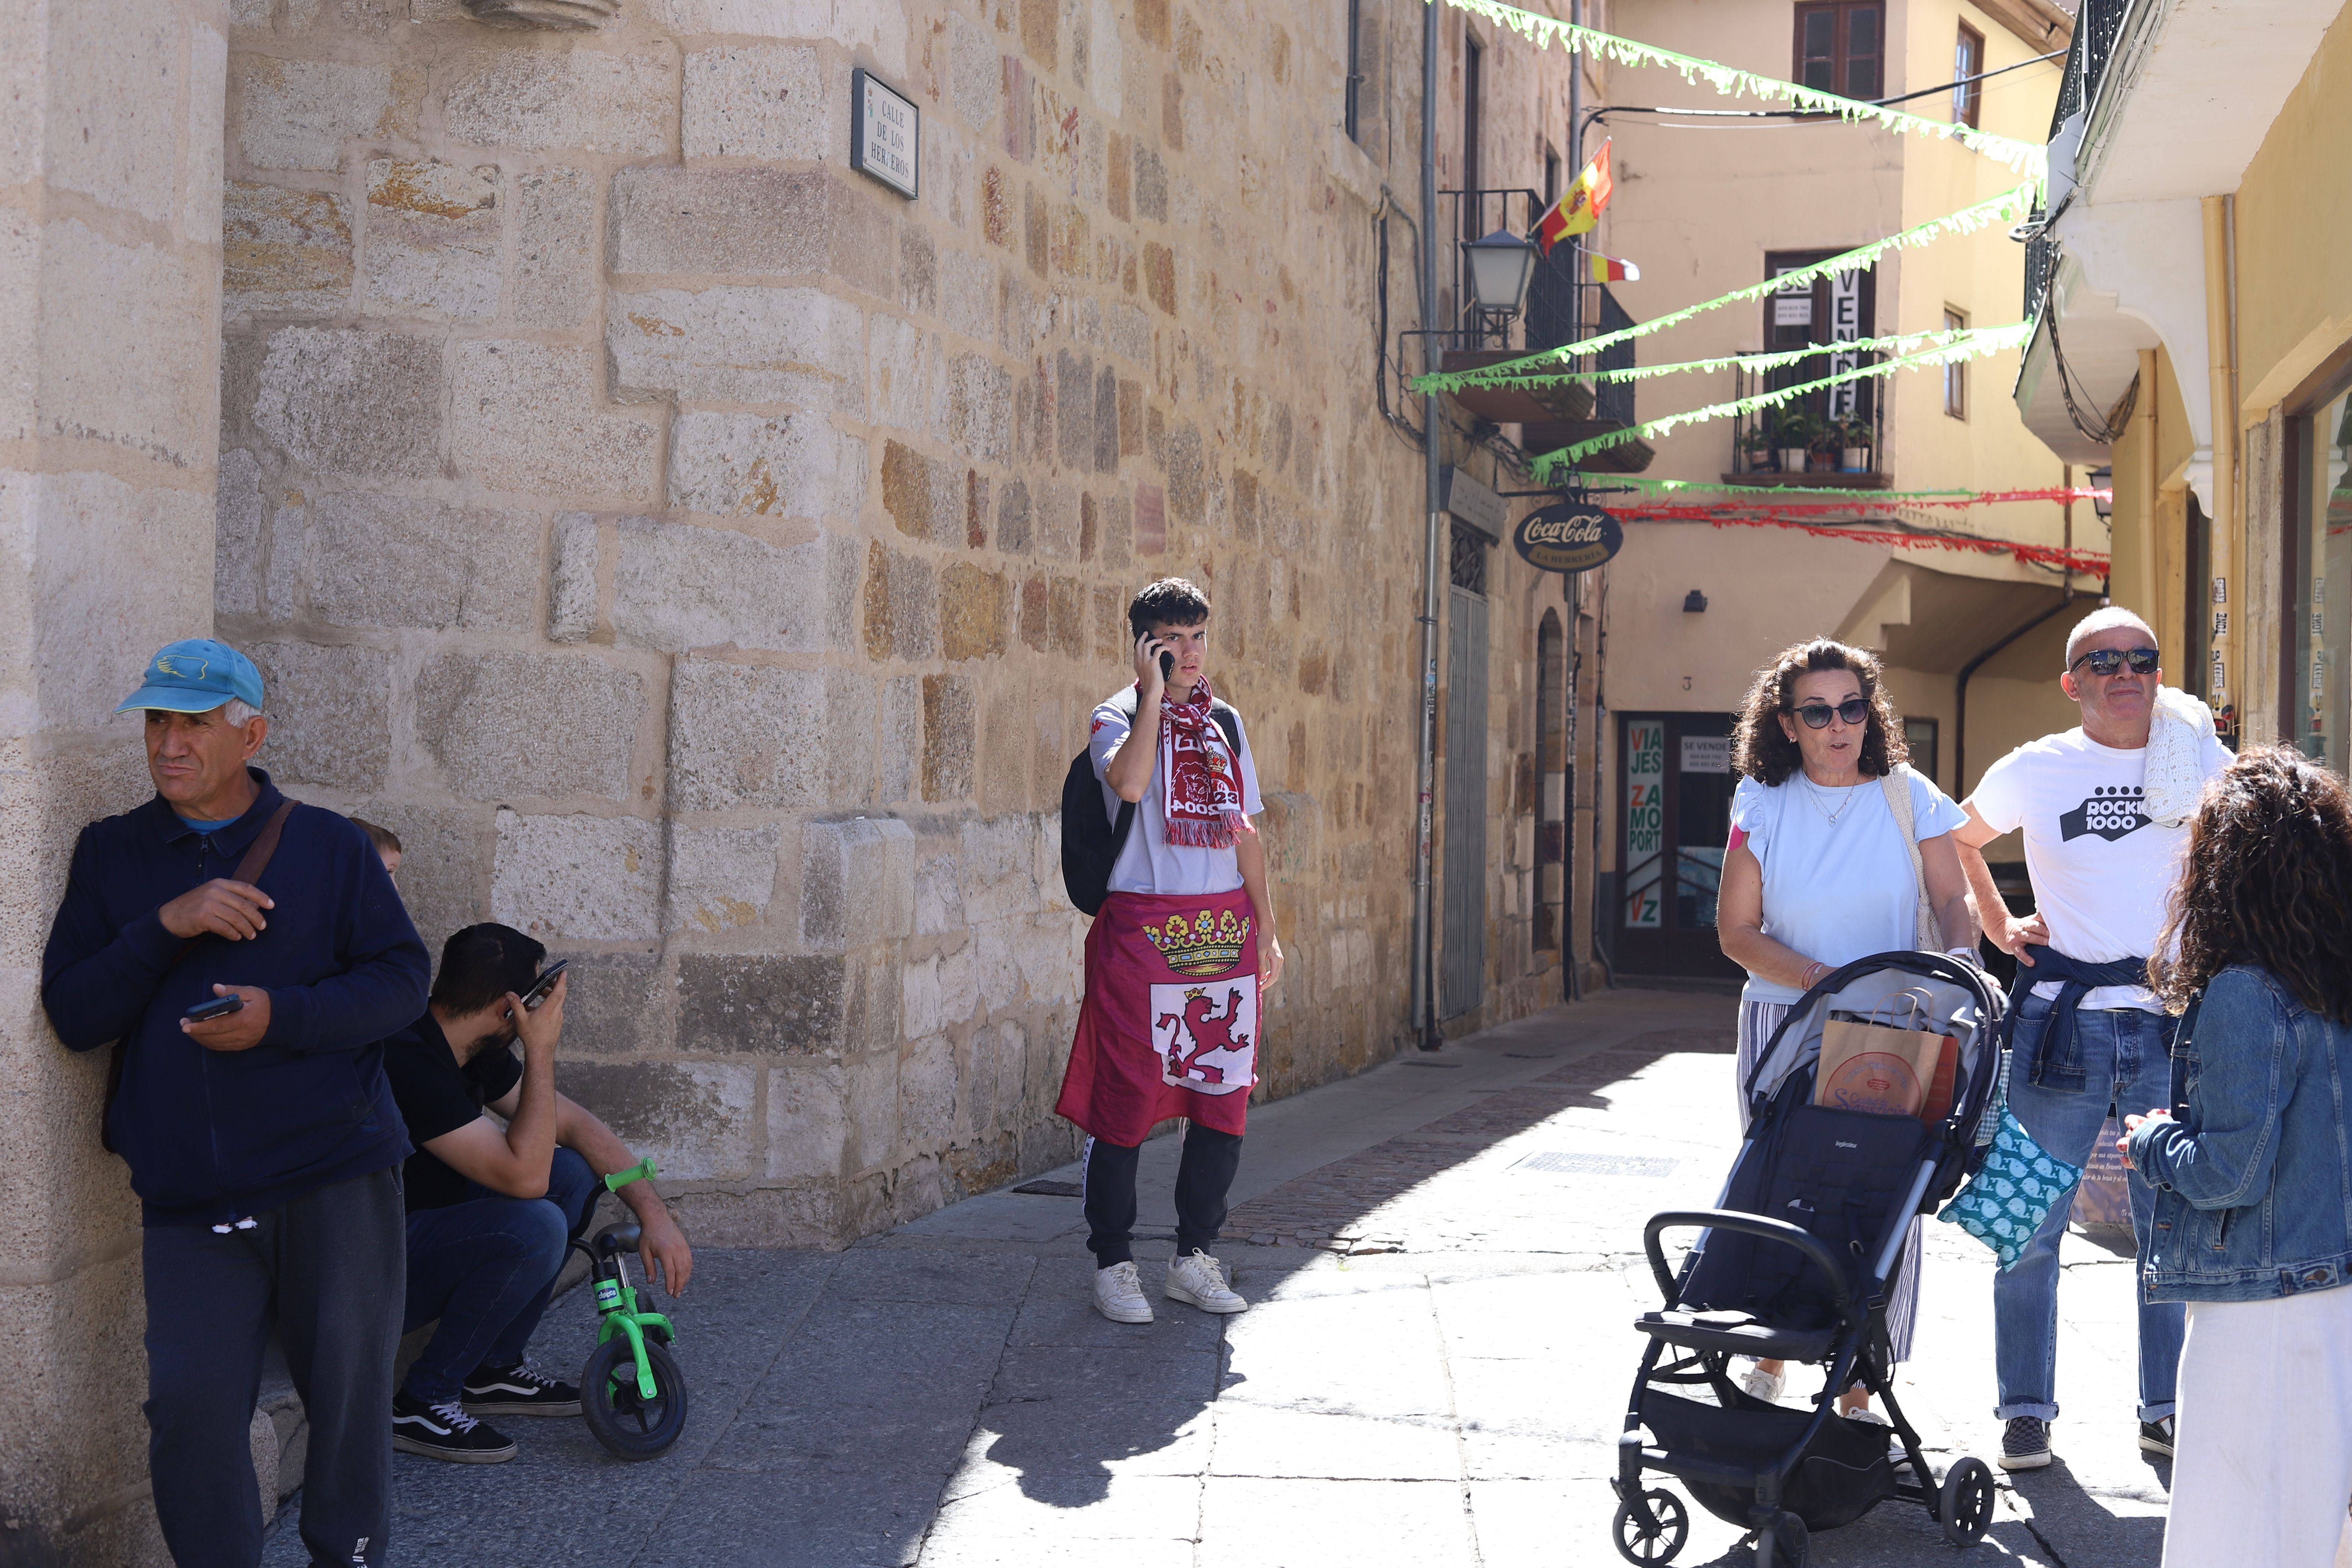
pixel 544 983
pixel 1167 667
pixel 218 1007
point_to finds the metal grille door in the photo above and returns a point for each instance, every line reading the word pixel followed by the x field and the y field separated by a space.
pixel 1463 961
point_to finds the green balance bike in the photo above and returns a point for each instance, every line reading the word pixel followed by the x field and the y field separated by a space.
pixel 632 1394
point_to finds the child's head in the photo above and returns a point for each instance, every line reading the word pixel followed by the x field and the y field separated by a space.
pixel 386 842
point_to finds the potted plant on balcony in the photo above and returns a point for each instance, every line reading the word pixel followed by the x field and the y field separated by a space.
pixel 1794 434
pixel 1853 440
pixel 1756 448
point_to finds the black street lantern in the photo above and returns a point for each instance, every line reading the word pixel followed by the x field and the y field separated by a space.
pixel 2103 479
pixel 1500 268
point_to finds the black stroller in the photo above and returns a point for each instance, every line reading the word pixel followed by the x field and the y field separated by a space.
pixel 1794 1265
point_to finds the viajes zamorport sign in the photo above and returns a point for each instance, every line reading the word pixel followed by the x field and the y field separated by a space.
pixel 1567 536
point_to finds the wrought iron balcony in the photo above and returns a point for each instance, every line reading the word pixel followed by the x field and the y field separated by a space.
pixel 1835 436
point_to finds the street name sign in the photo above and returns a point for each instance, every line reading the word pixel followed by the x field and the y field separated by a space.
pixel 886 133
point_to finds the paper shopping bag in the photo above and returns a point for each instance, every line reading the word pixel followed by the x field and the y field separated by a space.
pixel 1876 1067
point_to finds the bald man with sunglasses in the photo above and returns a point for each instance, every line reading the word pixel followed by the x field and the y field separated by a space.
pixel 2088 1037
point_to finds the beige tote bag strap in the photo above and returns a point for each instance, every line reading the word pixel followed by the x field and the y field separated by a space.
pixel 1897 786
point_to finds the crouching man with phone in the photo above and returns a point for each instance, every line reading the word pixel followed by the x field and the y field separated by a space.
pixel 492 1208
pixel 246 954
pixel 1179 957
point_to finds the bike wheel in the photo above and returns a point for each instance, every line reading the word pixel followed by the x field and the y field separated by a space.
pixel 1659 1545
pixel 1966 1502
pixel 630 1425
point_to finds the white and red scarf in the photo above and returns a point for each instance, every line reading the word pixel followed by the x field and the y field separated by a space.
pixel 1200 776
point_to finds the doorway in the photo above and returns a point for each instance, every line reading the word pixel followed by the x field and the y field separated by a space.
pixel 1463 978
pixel 1673 820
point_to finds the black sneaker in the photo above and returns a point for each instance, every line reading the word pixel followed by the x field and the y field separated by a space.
pixel 2156 1437
pixel 2025 1443
pixel 445 1432
pixel 518 1391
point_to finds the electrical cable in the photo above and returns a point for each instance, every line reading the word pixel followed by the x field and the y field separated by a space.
pixel 2108 431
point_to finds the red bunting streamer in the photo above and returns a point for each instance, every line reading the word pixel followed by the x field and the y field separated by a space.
pixel 2090 561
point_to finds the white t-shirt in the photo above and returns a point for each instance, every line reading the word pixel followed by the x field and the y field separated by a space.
pixel 1147 863
pixel 1836 892
pixel 2102 872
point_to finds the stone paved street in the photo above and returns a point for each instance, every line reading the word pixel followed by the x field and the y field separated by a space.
pixel 1444 1256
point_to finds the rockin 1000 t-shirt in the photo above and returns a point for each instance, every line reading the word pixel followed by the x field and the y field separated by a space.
pixel 2102 871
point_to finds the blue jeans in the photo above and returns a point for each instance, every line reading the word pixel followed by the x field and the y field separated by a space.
pixel 2130 1071
pixel 486 1268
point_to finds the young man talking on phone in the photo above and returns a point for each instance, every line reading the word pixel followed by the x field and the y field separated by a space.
pixel 1178 959
pixel 492 1208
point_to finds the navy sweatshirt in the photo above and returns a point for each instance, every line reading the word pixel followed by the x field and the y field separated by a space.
pixel 212 1136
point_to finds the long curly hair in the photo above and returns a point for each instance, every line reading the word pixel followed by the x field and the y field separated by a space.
pixel 1762 752
pixel 2267 881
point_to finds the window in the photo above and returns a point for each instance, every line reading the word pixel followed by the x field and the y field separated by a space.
pixel 1473 57
pixel 1919 735
pixel 1955 374
pixel 1968 63
pixel 1354 107
pixel 1552 177
pixel 2319 445
pixel 1839 47
pixel 1469 560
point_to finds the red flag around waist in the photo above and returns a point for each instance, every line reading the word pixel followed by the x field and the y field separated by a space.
pixel 1169 1024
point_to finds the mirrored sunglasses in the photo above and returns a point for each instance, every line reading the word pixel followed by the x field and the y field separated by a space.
pixel 2107 660
pixel 1817 715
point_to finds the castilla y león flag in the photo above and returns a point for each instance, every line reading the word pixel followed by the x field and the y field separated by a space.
pixel 1579 207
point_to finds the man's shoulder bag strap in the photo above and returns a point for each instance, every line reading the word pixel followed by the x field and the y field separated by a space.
pixel 248 870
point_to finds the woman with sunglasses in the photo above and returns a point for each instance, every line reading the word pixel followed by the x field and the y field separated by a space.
pixel 1819 872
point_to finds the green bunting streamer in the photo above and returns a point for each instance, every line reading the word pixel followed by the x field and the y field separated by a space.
pixel 1989 340
pixel 2025 157
pixel 1772 493
pixel 2010 206
pixel 1898 342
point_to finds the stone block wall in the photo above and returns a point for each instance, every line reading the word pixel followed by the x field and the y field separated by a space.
pixel 705 559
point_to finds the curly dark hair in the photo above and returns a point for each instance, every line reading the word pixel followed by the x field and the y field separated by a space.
pixel 1762 752
pixel 2268 881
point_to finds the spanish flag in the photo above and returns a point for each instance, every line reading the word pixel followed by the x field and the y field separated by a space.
pixel 1579 208
pixel 1608 269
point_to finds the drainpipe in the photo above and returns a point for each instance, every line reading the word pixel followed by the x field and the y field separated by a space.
pixel 1960 693
pixel 2144 415
pixel 2224 519
pixel 1424 1000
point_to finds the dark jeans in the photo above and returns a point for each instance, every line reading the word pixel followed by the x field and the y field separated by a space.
pixel 485 1268
pixel 1204 1173
pixel 326 1269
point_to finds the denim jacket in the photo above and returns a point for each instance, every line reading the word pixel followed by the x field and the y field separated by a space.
pixel 2254 1183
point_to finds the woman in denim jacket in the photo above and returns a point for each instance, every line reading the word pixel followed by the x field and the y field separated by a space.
pixel 2253 1210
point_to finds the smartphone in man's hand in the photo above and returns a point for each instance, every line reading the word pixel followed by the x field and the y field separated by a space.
pixel 218 1007
pixel 544 983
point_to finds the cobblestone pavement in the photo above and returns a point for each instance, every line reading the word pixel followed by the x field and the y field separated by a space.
pixel 1444 1259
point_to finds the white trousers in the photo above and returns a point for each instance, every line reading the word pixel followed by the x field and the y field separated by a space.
pixel 2263 1466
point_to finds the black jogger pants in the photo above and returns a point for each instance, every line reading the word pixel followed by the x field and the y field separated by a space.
pixel 1205 1173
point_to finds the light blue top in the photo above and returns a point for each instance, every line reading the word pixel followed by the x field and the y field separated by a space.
pixel 1836 891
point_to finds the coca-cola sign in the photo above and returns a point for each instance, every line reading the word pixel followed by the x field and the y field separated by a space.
pixel 1567 536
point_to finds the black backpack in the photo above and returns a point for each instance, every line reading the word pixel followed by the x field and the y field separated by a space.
pixel 1090 845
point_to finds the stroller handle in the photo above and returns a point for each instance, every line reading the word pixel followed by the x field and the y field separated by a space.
pixel 1778 1230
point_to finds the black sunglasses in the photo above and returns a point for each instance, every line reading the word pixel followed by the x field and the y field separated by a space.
pixel 1816 715
pixel 2107 660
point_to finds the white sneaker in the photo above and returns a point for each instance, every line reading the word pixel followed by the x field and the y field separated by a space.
pixel 1199 1280
pixel 1118 1294
pixel 1764 1385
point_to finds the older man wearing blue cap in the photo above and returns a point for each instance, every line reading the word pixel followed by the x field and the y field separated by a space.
pixel 246 953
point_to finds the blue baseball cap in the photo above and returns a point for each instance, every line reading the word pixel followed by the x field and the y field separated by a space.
pixel 196 676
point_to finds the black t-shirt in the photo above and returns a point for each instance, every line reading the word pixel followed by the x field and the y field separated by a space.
pixel 437 1096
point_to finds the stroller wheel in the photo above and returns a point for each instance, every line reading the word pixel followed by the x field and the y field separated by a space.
pixel 1965 1504
pixel 1637 1545
pixel 1784 1543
